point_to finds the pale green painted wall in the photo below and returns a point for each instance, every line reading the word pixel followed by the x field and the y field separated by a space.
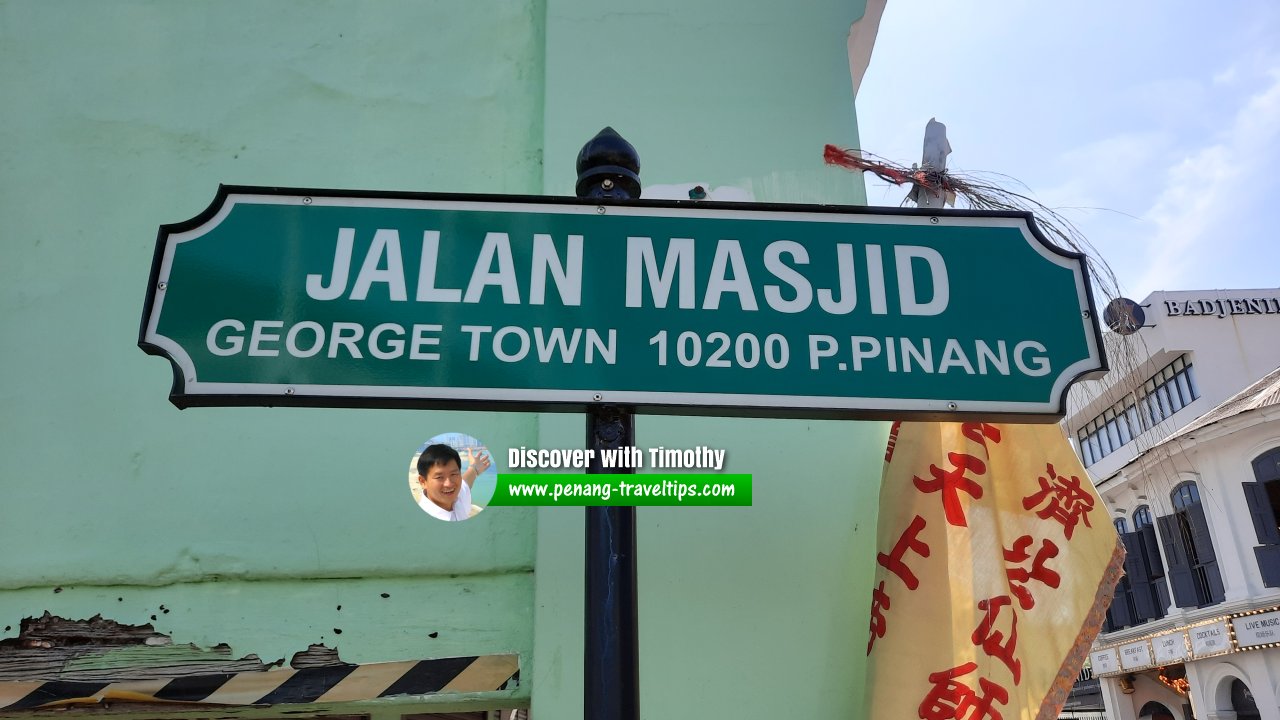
pixel 756 612
pixel 740 93
pixel 120 116
pixel 252 525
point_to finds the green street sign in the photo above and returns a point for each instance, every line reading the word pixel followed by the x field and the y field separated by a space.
pixel 361 299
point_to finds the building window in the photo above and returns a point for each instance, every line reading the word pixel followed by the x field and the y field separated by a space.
pixel 1188 546
pixel 1149 549
pixel 1142 594
pixel 1156 711
pixel 1142 518
pixel 1164 394
pixel 1263 496
pixel 1243 702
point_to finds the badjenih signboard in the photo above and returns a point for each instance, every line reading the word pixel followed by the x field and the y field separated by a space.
pixel 336 298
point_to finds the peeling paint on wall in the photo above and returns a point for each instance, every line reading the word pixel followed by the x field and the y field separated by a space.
pixel 59 662
pixel 272 622
pixel 54 648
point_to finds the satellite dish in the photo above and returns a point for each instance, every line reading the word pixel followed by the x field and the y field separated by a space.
pixel 1124 316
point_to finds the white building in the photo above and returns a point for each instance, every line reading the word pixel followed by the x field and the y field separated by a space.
pixel 1182 439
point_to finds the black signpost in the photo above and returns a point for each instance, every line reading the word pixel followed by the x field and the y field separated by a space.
pixel 608 168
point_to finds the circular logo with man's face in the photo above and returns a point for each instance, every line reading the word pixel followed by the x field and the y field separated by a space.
pixel 452 477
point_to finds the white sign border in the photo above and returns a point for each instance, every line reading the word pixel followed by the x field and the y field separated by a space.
pixel 195 392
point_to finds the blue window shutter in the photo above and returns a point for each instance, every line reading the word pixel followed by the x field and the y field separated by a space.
pixel 1267 466
pixel 1264 520
pixel 1217 593
pixel 1178 570
pixel 1268 564
pixel 1208 559
pixel 1200 536
pixel 1135 560
pixel 1151 551
pixel 1121 617
pixel 1157 588
pixel 1135 567
pixel 1161 589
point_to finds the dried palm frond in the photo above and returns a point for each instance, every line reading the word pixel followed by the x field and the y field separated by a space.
pixel 988 191
pixel 981 191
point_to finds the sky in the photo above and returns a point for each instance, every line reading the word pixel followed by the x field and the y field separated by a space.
pixel 1154 127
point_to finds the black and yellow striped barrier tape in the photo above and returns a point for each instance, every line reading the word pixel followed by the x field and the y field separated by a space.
pixel 336 683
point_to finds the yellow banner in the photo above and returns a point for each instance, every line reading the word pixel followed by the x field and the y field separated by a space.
pixel 996 562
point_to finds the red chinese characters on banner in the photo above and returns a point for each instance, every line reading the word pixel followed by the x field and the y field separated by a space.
pixel 949 699
pixel 951 482
pixel 894 562
pixel 980 433
pixel 879 603
pixel 893 440
pixel 1019 577
pixel 997 643
pixel 1063 500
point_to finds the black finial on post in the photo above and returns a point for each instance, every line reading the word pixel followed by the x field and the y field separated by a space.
pixel 608 167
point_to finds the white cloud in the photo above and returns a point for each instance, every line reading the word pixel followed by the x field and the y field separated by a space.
pixel 1100 172
pixel 1198 208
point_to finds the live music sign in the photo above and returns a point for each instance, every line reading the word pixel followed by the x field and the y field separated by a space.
pixel 337 298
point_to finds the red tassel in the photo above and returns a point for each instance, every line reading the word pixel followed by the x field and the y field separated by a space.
pixel 844 158
pixel 853 160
